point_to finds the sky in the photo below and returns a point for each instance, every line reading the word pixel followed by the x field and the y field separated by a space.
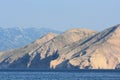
pixel 60 14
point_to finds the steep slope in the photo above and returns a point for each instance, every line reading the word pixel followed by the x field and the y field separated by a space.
pixel 40 55
pixel 18 58
pixel 17 37
pixel 101 51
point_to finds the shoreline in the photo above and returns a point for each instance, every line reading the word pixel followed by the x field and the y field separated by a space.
pixel 38 70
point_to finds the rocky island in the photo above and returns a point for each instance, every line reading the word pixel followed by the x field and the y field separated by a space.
pixel 73 49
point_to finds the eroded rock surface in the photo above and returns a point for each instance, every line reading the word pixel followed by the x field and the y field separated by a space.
pixel 101 51
pixel 40 53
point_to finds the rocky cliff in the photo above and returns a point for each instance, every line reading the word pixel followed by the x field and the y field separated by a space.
pixel 101 51
pixel 73 49
pixel 40 53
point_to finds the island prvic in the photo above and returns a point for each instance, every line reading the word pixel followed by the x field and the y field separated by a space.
pixel 73 49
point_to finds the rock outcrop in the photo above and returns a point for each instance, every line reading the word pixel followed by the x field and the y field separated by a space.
pixel 40 53
pixel 101 51
pixel 73 49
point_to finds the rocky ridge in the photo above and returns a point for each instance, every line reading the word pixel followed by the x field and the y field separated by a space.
pixel 101 51
pixel 39 53
pixel 73 49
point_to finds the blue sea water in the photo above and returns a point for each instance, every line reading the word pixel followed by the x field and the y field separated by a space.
pixel 59 75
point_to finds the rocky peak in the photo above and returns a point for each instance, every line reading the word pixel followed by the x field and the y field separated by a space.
pixel 73 49
pixel 75 34
pixel 117 28
pixel 79 30
pixel 100 51
pixel 46 38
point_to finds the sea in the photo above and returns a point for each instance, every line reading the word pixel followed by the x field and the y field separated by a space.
pixel 59 75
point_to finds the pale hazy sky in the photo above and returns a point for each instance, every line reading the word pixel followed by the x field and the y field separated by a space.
pixel 60 14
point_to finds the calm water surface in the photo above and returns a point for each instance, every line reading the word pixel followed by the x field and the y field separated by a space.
pixel 59 75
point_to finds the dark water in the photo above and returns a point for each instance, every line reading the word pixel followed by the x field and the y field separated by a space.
pixel 4 75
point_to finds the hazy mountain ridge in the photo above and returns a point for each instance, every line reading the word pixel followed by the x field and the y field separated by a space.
pixel 17 37
pixel 73 49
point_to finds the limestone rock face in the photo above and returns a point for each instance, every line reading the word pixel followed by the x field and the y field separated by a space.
pixel 100 51
pixel 40 53
pixel 73 49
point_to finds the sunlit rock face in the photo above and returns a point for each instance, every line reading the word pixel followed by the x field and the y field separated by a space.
pixel 73 49
pixel 41 52
pixel 101 51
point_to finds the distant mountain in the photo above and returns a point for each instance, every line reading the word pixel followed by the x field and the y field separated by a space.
pixel 17 37
pixel 40 53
